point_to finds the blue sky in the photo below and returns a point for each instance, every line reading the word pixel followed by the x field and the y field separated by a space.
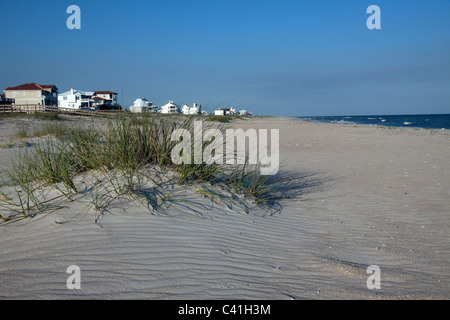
pixel 281 58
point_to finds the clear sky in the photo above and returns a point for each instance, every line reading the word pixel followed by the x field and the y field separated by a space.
pixel 280 57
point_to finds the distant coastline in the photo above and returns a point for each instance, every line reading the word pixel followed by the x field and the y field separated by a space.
pixel 425 121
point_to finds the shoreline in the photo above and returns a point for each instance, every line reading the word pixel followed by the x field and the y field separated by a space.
pixel 358 120
pixel 359 196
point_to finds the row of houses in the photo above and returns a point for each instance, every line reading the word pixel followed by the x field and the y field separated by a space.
pixel 142 105
pixel 47 95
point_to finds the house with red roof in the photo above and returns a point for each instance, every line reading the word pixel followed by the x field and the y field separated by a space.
pixel 33 94
pixel 106 100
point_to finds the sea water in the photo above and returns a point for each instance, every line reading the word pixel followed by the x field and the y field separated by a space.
pixel 427 121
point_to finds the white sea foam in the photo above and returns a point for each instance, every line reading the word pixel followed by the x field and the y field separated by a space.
pixel 342 122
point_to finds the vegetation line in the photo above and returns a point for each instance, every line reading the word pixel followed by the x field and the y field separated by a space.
pixel 121 155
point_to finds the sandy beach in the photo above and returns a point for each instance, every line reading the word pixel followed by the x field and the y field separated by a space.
pixel 357 196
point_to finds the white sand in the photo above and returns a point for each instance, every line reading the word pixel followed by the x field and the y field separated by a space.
pixel 367 196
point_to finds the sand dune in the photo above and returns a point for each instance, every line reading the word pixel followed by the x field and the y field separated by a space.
pixel 358 196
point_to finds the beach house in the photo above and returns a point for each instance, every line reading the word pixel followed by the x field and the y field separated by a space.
pixel 193 108
pixel 142 105
pixel 244 113
pixel 76 99
pixel 106 100
pixel 224 111
pixel 170 108
pixel 33 94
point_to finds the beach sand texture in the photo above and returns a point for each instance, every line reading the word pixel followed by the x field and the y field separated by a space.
pixel 359 196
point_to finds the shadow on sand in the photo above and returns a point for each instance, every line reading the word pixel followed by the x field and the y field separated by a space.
pixel 290 184
pixel 199 199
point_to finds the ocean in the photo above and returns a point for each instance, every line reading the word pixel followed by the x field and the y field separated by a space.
pixel 426 121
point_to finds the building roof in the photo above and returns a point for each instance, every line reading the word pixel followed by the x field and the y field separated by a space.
pixel 33 86
pixel 141 102
pixel 77 92
pixel 105 92
pixel 170 103
pixel 192 105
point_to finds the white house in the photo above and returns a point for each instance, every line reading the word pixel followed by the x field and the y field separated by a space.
pixel 169 107
pixel 193 108
pixel 224 111
pixel 142 105
pixel 76 99
pixel 245 113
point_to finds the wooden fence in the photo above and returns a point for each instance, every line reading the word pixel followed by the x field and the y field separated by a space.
pixel 40 108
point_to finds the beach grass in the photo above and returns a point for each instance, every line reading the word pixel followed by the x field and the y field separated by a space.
pixel 22 133
pixel 222 119
pixel 120 153
pixel 32 115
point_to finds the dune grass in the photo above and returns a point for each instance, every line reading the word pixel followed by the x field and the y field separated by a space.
pixel 222 119
pixel 120 154
pixel 32 115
